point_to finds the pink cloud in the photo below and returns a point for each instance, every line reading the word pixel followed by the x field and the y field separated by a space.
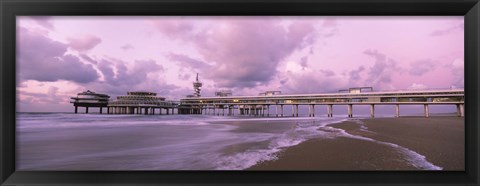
pixel 44 21
pixel 84 43
pixel 244 46
pixel 174 28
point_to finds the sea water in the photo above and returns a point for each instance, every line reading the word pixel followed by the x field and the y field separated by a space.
pixel 65 141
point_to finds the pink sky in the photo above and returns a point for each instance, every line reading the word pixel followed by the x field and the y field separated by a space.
pixel 61 56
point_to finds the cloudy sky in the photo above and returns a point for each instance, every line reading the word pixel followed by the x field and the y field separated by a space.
pixel 58 57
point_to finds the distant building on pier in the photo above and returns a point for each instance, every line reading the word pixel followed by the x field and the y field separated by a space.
pixel 140 102
pixel 270 93
pixel 223 93
pixel 356 90
pixel 90 99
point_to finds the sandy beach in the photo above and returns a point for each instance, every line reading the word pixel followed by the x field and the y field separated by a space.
pixel 439 139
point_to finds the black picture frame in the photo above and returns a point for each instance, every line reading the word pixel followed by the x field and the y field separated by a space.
pixel 11 8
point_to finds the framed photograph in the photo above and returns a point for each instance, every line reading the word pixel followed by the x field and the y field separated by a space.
pixel 239 92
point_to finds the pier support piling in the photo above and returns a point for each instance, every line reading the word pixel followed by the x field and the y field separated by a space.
pixel 276 110
pixel 293 110
pixel 350 110
pixel 330 110
pixel 462 110
pixel 263 110
pixel 268 110
pixel 372 111
pixel 281 110
pixel 296 110
pixel 425 107
pixel 311 110
pixel 397 110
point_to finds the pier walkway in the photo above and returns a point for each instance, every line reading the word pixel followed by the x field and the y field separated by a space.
pixel 273 105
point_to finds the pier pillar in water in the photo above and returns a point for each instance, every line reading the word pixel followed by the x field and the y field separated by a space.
pixel 263 111
pixel 146 111
pixel 168 111
pixel 462 110
pixel 372 110
pixel 281 110
pixel 309 110
pixel 458 110
pixel 397 110
pixel 425 108
pixel 296 110
pixel 268 110
pixel 76 109
pixel 293 110
pixel 223 111
pixel 313 110
pixel 330 110
pixel 350 110
pixel 101 110
pixel 276 110
pixel 86 110
pixel 153 110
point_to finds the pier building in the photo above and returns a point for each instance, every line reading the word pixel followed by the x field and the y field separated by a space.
pixel 270 93
pixel 273 104
pixel 89 99
pixel 223 93
pixel 141 102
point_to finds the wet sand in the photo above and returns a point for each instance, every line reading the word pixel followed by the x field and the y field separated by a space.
pixel 439 139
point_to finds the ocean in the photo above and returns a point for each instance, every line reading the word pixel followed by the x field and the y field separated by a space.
pixel 65 141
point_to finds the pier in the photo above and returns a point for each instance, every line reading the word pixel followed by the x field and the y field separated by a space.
pixel 142 102
pixel 269 105
pixel 89 99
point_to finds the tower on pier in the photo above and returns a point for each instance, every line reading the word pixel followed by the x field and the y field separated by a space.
pixel 197 87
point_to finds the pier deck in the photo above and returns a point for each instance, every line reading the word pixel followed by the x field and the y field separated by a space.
pixel 256 105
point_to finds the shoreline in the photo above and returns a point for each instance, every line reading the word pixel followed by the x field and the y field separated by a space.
pixel 439 139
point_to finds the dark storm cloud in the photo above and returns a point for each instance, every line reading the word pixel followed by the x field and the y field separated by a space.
pixel 43 59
